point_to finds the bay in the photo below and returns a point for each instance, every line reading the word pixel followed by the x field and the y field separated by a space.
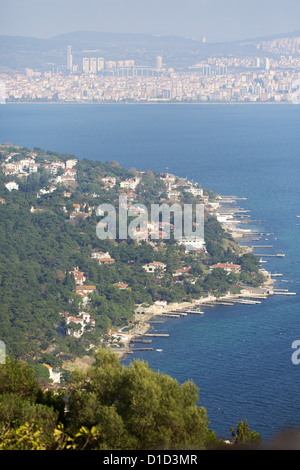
pixel 240 356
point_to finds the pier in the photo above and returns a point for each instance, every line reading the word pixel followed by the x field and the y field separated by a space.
pixel 142 349
pixel 258 246
pixel 283 292
pixel 279 255
pixel 156 335
pixel 135 340
pixel 195 311
pixel 223 303
pixel 170 315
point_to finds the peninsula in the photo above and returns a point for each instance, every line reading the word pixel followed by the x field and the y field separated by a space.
pixel 66 293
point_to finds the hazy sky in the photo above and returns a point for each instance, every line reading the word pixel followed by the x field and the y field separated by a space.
pixel 217 20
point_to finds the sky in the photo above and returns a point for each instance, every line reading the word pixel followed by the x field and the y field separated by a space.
pixel 217 20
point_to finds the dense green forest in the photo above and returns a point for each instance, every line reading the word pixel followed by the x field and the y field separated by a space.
pixel 42 241
pixel 108 407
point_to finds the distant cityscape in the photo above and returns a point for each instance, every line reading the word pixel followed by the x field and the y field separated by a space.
pixel 269 77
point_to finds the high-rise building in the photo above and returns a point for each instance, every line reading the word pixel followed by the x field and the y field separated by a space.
pixel 267 63
pixel 69 58
pixel 100 63
pixel 159 62
pixel 29 73
pixel 93 65
pixel 256 62
pixel 129 63
pixel 222 69
pixel 111 64
pixel 86 64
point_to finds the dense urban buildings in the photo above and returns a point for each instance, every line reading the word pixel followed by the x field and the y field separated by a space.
pixel 272 76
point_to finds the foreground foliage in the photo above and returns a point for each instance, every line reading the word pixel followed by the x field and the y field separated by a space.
pixel 108 407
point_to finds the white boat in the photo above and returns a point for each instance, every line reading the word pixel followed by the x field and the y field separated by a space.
pixel 159 350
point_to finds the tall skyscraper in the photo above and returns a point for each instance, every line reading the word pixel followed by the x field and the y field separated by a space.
pixel 159 62
pixel 86 64
pixel 69 58
pixel 111 64
pixel 267 63
pixel 93 65
pixel 129 63
pixel 256 62
pixel 100 64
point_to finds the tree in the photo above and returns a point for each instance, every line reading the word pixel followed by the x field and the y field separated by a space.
pixel 250 263
pixel 244 436
pixel 148 410
pixel 18 379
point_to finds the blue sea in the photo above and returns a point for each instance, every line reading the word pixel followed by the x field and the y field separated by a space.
pixel 240 357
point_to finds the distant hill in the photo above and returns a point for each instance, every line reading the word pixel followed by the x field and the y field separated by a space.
pixel 19 52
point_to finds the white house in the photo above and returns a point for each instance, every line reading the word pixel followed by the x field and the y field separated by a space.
pixel 109 181
pixel 192 243
pixel 71 163
pixel 100 255
pixel 78 276
pixel 130 183
pixel 195 191
pixel 154 266
pixel 54 375
pixel 83 320
pixel 11 185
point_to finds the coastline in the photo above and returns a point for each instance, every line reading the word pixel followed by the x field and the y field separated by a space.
pixel 212 103
pixel 144 327
pixel 247 293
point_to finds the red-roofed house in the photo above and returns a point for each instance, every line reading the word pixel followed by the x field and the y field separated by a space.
pixel 121 285
pixel 78 276
pixel 229 267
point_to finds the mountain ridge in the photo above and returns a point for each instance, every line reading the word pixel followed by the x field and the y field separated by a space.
pixel 19 52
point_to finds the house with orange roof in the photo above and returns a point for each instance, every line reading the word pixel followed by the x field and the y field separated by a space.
pixel 228 267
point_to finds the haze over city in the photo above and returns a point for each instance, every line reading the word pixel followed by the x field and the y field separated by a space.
pixel 217 20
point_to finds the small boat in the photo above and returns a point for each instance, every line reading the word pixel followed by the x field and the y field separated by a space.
pixel 159 350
